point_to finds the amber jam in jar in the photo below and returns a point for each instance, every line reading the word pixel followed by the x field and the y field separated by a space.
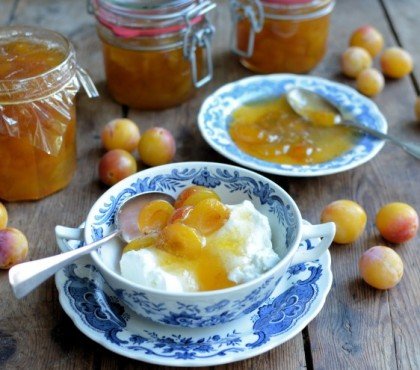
pixel 280 35
pixel 156 55
pixel 37 114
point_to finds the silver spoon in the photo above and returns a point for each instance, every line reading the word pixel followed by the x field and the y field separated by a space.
pixel 26 276
pixel 320 111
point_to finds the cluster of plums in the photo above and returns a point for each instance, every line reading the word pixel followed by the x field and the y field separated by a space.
pixel 380 266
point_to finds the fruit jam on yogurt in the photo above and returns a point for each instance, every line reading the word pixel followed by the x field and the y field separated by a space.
pixel 201 245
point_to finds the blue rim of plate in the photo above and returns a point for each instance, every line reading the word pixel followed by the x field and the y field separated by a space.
pixel 100 315
pixel 216 114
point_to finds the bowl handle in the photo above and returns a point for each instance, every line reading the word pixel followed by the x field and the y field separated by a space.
pixel 324 231
pixel 63 234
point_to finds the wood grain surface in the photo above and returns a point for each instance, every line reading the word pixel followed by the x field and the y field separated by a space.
pixel 358 328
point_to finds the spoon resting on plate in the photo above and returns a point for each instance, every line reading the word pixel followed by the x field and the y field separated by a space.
pixel 321 112
pixel 26 276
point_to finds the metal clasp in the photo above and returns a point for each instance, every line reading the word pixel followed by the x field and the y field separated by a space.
pixel 254 12
pixel 199 36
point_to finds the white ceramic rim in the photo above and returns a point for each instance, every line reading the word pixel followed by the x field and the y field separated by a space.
pixel 284 171
pixel 286 260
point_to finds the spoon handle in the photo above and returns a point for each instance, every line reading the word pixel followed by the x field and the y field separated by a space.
pixel 26 276
pixel 410 148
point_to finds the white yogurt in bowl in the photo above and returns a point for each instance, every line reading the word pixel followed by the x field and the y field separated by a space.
pixel 212 307
pixel 243 245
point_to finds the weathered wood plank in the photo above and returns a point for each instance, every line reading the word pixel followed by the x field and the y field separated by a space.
pixel 405 302
pixel 360 327
pixel 277 359
pixel 404 17
pixel 43 334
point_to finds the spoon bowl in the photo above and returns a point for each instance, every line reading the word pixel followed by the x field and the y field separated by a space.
pixel 26 276
pixel 314 108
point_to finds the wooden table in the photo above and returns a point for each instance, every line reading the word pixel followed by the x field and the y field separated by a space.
pixel 358 328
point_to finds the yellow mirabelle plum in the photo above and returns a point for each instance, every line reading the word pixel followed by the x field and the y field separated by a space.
pixel 120 133
pixel 154 216
pixel 181 240
pixel 381 267
pixel 370 82
pixel 115 165
pixel 368 38
pixel 208 216
pixel 349 218
pixel 156 146
pixel 13 247
pixel 354 60
pixel 191 195
pixel 397 222
pixel 396 62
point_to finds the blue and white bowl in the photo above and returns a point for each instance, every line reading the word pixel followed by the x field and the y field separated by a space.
pixel 233 184
pixel 215 117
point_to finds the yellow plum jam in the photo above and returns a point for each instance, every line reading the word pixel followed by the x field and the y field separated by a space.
pixel 272 131
pixel 37 117
pixel 281 35
pixel 155 56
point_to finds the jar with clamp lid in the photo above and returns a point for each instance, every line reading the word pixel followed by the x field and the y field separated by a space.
pixel 155 53
pixel 272 36
pixel 39 78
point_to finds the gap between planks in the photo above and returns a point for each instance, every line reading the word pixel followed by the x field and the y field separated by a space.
pixel 307 349
pixel 398 41
pixel 413 80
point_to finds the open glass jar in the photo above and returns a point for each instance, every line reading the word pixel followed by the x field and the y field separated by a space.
pixel 280 35
pixel 155 53
pixel 39 79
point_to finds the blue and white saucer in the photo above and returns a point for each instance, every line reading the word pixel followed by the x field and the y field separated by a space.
pixel 216 111
pixel 97 312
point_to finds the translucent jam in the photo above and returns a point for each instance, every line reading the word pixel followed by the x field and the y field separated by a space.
pixel 23 59
pixel 148 79
pixel 295 46
pixel 154 50
pixel 272 131
pixel 27 172
pixel 203 243
pixel 208 270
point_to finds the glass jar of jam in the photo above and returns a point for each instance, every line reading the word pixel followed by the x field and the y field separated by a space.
pixel 38 83
pixel 280 35
pixel 155 53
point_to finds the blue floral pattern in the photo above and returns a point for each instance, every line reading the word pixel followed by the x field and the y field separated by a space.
pixel 183 348
pixel 173 182
pixel 99 310
pixel 99 313
pixel 279 315
pixel 176 180
pixel 216 115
